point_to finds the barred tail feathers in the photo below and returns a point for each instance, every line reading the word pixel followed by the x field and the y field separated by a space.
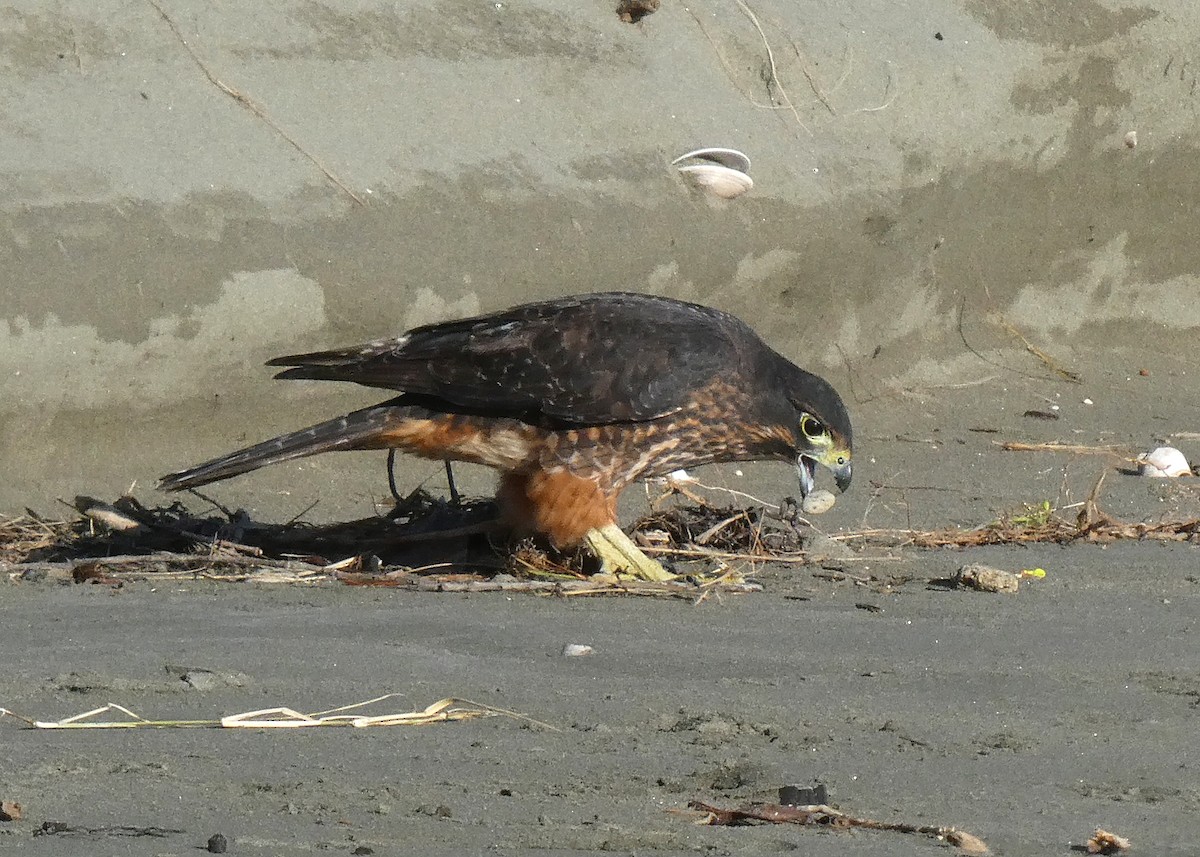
pixel 364 429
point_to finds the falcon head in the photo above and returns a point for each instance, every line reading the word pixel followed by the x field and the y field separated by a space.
pixel 820 427
pixel 817 444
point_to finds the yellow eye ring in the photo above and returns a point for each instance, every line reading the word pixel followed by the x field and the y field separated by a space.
pixel 812 427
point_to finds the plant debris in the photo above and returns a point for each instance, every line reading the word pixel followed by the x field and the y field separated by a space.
pixel 826 816
pixel 1039 523
pixel 446 710
pixel 428 544
pixel 1103 842
pixel 61 828
pixel 423 543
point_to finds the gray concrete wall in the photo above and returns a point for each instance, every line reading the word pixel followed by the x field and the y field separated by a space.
pixel 159 240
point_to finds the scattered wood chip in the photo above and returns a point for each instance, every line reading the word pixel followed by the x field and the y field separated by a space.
pixel 828 817
pixel 984 578
pixel 1103 842
pixel 10 811
pixel 93 572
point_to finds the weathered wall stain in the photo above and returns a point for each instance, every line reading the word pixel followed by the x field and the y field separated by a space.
pixel 53 364
pixel 158 241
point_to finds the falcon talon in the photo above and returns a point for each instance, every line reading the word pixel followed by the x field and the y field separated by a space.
pixel 546 393
pixel 621 557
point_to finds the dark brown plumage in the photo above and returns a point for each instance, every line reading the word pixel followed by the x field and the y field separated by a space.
pixel 572 400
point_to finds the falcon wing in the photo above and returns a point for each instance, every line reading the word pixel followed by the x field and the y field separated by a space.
pixel 594 359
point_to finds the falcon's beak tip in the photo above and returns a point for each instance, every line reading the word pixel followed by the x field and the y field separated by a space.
pixel 842 476
pixel 806 469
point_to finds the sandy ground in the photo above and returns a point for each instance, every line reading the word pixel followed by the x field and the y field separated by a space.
pixel 949 168
pixel 1027 720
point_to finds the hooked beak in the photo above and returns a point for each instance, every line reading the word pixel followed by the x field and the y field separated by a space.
pixel 842 476
pixel 806 469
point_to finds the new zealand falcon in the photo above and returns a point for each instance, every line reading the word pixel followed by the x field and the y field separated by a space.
pixel 572 400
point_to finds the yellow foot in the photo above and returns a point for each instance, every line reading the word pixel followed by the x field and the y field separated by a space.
pixel 619 555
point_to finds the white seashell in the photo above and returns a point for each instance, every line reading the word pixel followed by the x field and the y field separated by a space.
pixel 818 502
pixel 717 180
pixel 721 172
pixel 731 158
pixel 576 650
pixel 1165 461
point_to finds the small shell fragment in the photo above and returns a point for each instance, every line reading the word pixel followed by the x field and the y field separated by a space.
pixel 576 650
pixel 721 172
pixel 817 502
pixel 1131 140
pixel 987 579
pixel 1103 842
pixel 1166 461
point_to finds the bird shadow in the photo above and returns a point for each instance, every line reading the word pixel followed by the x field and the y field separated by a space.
pixel 419 530
pixel 421 534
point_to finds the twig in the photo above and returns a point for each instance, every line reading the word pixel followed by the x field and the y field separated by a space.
pixel 1075 449
pixel 727 556
pixel 730 73
pixel 1049 361
pixel 749 13
pixel 963 336
pixel 889 99
pixel 826 816
pixel 296 517
pixel 249 104
pixel 849 374
pixel 812 83
pixel 75 52
pixel 707 535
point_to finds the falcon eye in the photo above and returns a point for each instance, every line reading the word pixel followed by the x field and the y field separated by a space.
pixel 811 427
